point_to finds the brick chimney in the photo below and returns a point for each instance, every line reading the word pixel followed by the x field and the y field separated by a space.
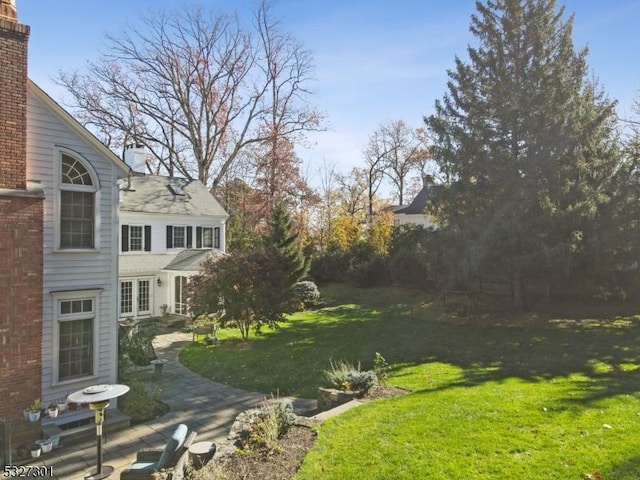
pixel 21 244
pixel 13 98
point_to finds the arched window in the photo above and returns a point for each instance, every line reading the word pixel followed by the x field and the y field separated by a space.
pixel 77 204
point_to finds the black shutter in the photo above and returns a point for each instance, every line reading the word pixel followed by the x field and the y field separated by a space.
pixel 125 238
pixel 147 238
pixel 169 236
pixel 216 237
pixel 198 237
pixel 189 237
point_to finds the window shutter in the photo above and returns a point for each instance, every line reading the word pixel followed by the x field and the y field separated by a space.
pixel 198 237
pixel 216 237
pixel 169 236
pixel 125 238
pixel 189 237
pixel 147 238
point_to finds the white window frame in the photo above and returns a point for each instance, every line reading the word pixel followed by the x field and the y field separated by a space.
pixel 202 237
pixel 173 234
pixel 58 298
pixel 184 281
pixel 59 187
pixel 141 227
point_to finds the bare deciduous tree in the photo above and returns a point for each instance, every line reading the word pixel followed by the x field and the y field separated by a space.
pixel 196 88
pixel 375 153
pixel 353 190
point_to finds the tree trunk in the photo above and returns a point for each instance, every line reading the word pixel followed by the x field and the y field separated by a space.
pixel 518 290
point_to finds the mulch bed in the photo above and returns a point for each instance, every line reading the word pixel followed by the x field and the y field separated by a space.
pixel 294 444
pixel 283 465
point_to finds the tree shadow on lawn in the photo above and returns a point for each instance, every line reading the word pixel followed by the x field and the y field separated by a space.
pixel 489 347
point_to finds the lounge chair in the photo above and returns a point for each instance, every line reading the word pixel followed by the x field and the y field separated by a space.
pixel 172 458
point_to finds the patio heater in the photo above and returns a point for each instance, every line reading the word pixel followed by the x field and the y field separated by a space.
pixel 98 396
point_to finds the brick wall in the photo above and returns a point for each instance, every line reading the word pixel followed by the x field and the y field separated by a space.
pixel 21 223
pixel 20 312
pixel 13 103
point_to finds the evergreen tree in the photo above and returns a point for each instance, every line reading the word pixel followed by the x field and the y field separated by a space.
pixel 526 141
pixel 284 240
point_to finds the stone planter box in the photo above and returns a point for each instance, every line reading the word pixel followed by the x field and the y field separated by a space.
pixel 329 398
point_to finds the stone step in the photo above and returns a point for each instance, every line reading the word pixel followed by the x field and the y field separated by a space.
pixel 322 416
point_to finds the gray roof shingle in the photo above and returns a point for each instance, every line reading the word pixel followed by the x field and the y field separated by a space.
pixel 170 196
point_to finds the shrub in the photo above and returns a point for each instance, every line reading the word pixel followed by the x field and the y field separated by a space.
pixel 264 433
pixel 306 294
pixel 211 471
pixel 409 268
pixel 345 376
pixel 139 347
pixel 330 266
pixel 285 416
pixel 370 273
pixel 271 421
pixel 381 367
pixel 142 404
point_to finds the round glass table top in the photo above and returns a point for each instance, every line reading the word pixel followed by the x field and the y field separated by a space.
pixel 98 393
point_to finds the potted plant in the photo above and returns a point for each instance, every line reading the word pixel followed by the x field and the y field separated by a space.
pixel 163 309
pixel 61 404
pixel 46 445
pixel 35 450
pixel 52 410
pixel 34 410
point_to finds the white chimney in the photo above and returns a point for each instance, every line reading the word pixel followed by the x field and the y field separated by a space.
pixel 135 156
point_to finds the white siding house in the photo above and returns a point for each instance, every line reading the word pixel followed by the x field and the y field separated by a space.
pixel 168 226
pixel 415 213
pixel 79 177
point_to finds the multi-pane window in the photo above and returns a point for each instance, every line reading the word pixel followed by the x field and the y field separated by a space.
pixel 143 296
pixel 135 297
pixel 126 298
pixel 180 297
pixel 77 205
pixel 204 237
pixel 75 338
pixel 179 236
pixel 136 238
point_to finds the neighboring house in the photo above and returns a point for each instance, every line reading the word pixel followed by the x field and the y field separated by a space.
pixel 415 212
pixel 59 240
pixel 168 227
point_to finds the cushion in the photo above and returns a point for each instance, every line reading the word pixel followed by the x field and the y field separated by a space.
pixel 172 446
pixel 143 466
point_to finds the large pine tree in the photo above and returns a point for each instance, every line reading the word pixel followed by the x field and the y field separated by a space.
pixel 283 239
pixel 526 140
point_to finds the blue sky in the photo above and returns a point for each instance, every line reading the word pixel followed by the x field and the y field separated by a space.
pixel 376 60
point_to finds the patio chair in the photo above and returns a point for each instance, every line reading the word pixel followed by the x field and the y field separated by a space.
pixel 172 458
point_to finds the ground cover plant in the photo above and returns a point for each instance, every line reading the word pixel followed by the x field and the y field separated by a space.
pixel 495 395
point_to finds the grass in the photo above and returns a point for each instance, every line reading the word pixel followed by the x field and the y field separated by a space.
pixel 494 396
pixel 291 359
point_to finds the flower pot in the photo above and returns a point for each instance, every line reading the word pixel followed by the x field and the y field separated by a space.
pixel 55 441
pixel 62 405
pixel 46 445
pixel 35 451
pixel 25 412
pixel 34 416
pixel 52 412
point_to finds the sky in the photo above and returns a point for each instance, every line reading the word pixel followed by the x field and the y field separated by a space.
pixel 376 60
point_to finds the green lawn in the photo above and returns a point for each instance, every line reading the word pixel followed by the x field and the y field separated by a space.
pixel 494 396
